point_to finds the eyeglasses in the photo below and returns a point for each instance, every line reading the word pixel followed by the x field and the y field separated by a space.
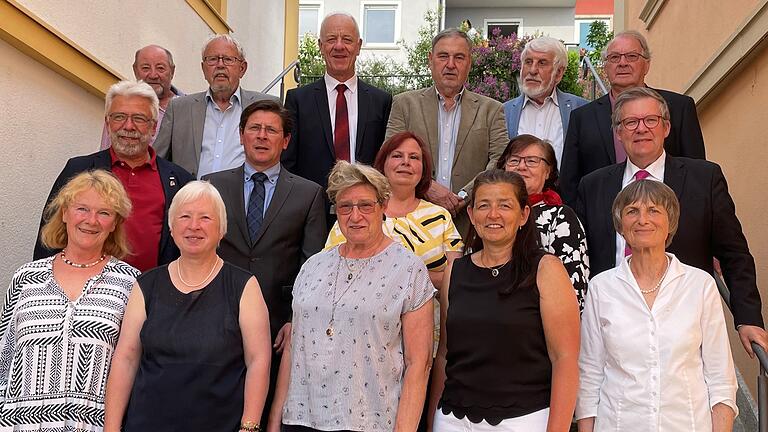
pixel 631 123
pixel 365 206
pixel 630 56
pixel 214 60
pixel 257 128
pixel 530 161
pixel 137 119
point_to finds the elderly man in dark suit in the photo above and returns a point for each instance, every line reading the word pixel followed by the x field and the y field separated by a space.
pixel 708 225
pixel 590 143
pixel 151 182
pixel 199 131
pixel 276 219
pixel 339 116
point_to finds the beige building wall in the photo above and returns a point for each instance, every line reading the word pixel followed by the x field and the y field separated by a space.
pixel 684 42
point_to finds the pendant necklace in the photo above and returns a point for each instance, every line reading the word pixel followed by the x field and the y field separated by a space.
pixel 351 279
pixel 494 270
pixel 76 265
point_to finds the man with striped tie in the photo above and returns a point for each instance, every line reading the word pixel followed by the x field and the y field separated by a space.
pixel 708 225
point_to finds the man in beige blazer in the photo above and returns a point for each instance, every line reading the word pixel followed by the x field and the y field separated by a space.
pixel 466 132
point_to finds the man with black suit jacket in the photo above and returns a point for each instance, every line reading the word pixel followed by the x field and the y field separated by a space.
pixel 275 219
pixel 708 226
pixel 590 143
pixel 335 122
pixel 151 182
pixel 199 131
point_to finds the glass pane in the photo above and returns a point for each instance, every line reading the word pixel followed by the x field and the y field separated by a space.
pixel 379 25
pixel 308 20
pixel 505 29
pixel 583 32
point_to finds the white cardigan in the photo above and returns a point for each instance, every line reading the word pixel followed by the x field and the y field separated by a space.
pixel 659 369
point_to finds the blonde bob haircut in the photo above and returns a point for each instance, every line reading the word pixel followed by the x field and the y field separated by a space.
pixel 194 191
pixel 648 192
pixel 54 232
pixel 344 175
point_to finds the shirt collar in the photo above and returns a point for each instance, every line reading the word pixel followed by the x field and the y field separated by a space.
pixel 676 269
pixel 152 162
pixel 655 169
pixel 552 97
pixel 272 172
pixel 331 83
pixel 232 99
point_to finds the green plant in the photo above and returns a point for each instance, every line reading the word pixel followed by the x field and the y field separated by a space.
pixel 570 81
pixel 418 52
pixel 311 61
pixel 598 37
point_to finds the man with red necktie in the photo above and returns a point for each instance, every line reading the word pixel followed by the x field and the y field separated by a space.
pixel 708 226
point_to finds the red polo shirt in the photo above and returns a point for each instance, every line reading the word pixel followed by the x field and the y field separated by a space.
pixel 145 223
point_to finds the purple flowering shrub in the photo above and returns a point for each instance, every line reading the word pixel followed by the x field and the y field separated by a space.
pixel 496 66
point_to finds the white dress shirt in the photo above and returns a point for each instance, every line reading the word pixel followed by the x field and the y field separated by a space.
pixel 658 369
pixel 656 171
pixel 448 120
pixel 543 121
pixel 351 96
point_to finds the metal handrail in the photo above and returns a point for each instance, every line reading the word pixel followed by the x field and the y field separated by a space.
pixel 588 67
pixel 294 66
pixel 762 357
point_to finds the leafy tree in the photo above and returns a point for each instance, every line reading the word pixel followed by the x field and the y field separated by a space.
pixel 598 37
pixel 418 52
pixel 570 81
pixel 311 61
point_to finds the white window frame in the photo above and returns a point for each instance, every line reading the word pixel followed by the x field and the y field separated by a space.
pixel 502 21
pixel 320 12
pixel 397 4
pixel 588 19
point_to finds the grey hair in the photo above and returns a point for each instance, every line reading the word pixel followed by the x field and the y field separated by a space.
pixel 451 32
pixel 633 94
pixel 228 38
pixel 343 14
pixel 633 34
pixel 167 53
pixel 193 191
pixel 345 175
pixel 129 88
pixel 648 192
pixel 548 45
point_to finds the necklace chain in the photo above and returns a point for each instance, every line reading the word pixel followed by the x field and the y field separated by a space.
pixel 661 279
pixel 351 279
pixel 178 273
pixel 494 270
pixel 77 265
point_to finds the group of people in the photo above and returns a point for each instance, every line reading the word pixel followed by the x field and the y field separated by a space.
pixel 353 262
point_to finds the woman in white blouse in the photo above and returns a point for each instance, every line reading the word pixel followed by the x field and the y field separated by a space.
pixel 654 345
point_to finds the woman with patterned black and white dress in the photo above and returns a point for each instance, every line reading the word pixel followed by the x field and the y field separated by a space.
pixel 62 314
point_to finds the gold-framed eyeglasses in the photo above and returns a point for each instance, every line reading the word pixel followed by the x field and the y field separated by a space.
pixel 632 123
pixel 257 128
pixel 365 206
pixel 529 161
pixel 630 56
pixel 119 118
pixel 214 60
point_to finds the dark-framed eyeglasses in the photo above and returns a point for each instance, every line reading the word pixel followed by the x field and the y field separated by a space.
pixel 630 56
pixel 214 60
pixel 364 206
pixel 632 123
pixel 529 161
pixel 120 118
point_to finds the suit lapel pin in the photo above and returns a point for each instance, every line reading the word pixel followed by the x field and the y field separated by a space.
pixel 172 181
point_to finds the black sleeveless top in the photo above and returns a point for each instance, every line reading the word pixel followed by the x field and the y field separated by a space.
pixel 497 366
pixel 191 376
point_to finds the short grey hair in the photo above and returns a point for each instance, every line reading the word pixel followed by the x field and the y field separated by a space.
pixel 633 94
pixel 633 34
pixel 167 53
pixel 548 45
pixel 342 14
pixel 130 88
pixel 345 175
pixel 648 192
pixel 193 191
pixel 228 38
pixel 451 32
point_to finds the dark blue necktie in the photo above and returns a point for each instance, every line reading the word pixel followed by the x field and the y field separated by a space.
pixel 256 205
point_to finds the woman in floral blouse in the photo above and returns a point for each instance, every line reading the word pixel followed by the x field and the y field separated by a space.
pixel 560 231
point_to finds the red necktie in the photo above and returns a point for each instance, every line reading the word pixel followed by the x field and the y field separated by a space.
pixel 341 132
pixel 640 175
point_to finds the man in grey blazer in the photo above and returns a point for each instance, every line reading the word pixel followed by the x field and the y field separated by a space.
pixel 199 131
pixel 465 131
pixel 275 219
pixel 542 110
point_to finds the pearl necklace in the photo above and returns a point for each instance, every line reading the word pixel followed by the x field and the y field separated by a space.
pixel 178 273
pixel 658 284
pixel 494 270
pixel 76 265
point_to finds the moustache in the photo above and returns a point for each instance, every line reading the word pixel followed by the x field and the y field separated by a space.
pixel 128 134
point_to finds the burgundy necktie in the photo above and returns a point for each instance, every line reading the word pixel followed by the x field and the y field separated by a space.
pixel 640 175
pixel 341 132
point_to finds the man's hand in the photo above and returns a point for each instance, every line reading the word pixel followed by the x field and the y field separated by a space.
pixel 442 196
pixel 749 334
pixel 283 338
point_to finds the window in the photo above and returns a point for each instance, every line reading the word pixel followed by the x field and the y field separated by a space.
pixel 506 26
pixel 380 23
pixel 310 16
pixel 582 29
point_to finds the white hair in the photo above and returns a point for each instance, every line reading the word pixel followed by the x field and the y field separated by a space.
pixel 228 38
pixel 133 88
pixel 548 45
pixel 193 191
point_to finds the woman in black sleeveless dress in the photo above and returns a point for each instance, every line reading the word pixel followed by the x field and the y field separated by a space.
pixel 194 348
pixel 509 341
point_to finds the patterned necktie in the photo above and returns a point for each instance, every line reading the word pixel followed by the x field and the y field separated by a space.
pixel 640 175
pixel 256 205
pixel 341 132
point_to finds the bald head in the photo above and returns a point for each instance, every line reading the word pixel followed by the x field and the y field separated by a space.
pixel 153 64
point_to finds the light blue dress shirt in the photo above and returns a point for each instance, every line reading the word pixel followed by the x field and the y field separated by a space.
pixel 272 174
pixel 221 147
pixel 447 132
